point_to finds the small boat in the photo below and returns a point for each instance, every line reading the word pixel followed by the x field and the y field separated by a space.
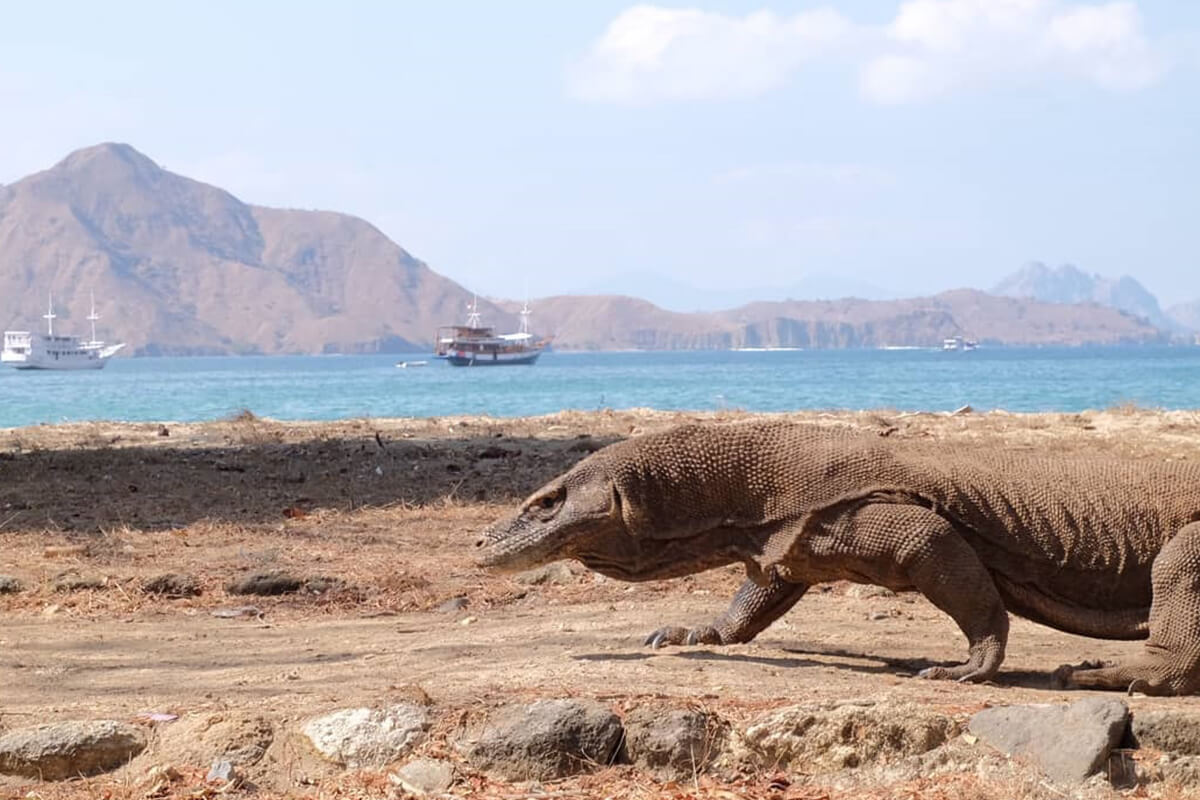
pixel 27 350
pixel 476 345
pixel 409 364
pixel 959 343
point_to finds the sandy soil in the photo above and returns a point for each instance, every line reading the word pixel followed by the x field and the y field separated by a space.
pixel 389 509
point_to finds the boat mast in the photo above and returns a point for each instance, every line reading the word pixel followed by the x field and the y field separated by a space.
pixel 49 316
pixel 473 317
pixel 525 312
pixel 93 317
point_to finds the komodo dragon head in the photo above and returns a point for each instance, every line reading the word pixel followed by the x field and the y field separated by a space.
pixel 571 516
pixel 648 508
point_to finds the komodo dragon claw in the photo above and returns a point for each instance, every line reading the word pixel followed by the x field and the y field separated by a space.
pixel 673 634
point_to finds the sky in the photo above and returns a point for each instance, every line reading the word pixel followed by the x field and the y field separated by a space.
pixel 672 149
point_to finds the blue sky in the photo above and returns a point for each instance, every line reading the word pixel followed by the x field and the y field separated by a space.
pixel 559 146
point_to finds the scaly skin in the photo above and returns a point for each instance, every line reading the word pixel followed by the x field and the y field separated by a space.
pixel 1102 548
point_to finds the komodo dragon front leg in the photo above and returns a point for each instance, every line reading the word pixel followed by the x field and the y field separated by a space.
pixel 906 547
pixel 751 611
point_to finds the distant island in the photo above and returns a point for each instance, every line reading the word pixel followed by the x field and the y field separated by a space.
pixel 181 267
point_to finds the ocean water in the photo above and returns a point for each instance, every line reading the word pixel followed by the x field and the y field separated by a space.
pixel 313 387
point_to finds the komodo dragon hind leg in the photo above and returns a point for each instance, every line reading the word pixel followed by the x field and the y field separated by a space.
pixel 1170 664
pixel 752 609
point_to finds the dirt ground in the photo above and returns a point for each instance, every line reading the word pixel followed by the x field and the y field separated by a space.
pixel 385 511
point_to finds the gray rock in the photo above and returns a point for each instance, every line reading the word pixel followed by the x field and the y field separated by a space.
pixel 172 584
pixel 220 771
pixel 452 605
pixel 235 612
pixel 265 584
pixel 368 737
pixel 425 776
pixel 833 737
pixel 1068 743
pixel 555 573
pixel 1169 731
pixel 77 583
pixel 673 743
pixel 9 585
pixel 547 739
pixel 68 749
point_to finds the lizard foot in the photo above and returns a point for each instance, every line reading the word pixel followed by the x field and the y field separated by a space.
pixel 963 673
pixel 673 634
pixel 1061 678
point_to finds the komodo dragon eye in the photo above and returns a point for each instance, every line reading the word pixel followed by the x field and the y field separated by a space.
pixel 550 500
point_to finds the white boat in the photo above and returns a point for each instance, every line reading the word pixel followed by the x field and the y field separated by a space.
pixel 411 364
pixel 959 343
pixel 28 350
pixel 475 345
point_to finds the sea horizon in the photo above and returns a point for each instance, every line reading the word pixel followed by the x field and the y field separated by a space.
pixel 333 387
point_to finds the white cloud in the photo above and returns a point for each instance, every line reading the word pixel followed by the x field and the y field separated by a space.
pixel 931 47
pixel 649 54
pixel 936 46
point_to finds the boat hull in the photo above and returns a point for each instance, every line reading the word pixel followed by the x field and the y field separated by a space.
pixel 91 364
pixel 492 359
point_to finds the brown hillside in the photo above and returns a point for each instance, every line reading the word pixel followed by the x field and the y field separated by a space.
pixel 179 266
pixel 625 323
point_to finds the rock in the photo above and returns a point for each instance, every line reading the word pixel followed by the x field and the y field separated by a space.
pixel 410 693
pixel 221 772
pixel 1183 771
pixel 829 738
pixel 547 739
pixel 9 585
pixel 673 743
pixel 172 584
pixel 425 776
pixel 1170 731
pixel 584 444
pixel 863 591
pixel 77 583
pixel 368 737
pixel 265 584
pixel 237 611
pixel 1068 743
pixel 554 573
pixel 322 584
pixel 452 605
pixel 497 452
pixel 239 738
pixel 68 749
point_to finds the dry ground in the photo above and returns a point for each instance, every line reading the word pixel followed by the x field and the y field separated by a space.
pixel 389 508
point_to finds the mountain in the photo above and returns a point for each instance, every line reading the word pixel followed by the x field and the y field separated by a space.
pixel 614 322
pixel 1186 315
pixel 1069 284
pixel 674 295
pixel 178 266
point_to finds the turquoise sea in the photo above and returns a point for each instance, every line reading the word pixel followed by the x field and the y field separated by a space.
pixel 322 387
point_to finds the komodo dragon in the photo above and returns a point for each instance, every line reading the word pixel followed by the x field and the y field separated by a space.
pixel 1094 546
